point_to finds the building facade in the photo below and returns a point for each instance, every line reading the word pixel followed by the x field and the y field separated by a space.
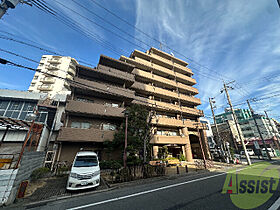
pixel 247 125
pixel 98 96
pixel 64 67
pixel 95 108
pixel 164 84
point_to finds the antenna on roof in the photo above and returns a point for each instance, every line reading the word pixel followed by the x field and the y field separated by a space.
pixel 160 46
pixel 172 54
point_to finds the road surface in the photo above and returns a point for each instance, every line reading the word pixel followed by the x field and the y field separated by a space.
pixel 200 191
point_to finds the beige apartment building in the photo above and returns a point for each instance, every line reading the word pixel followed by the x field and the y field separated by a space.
pixel 98 96
pixel 64 67
pixel 164 83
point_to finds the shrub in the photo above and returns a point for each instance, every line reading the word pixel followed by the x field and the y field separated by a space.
pixel 182 157
pixel 39 173
pixel 110 164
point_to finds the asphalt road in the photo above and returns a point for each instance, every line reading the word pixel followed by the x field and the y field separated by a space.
pixel 201 191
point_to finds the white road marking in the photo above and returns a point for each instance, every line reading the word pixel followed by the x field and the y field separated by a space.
pixel 276 205
pixel 146 192
pixel 162 188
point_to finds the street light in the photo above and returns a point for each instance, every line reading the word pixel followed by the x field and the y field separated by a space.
pixel 126 113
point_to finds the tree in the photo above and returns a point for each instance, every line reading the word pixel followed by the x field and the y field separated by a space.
pixel 138 131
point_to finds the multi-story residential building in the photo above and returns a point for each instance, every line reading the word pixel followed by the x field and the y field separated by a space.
pixel 64 67
pixel 247 124
pixel 164 83
pixel 154 79
pixel 95 108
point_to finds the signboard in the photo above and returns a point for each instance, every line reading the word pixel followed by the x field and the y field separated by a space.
pixel 256 144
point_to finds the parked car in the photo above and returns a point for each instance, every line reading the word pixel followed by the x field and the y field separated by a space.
pixel 236 159
pixel 271 152
pixel 249 151
pixel 85 171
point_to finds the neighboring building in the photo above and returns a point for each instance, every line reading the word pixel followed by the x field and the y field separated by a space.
pixel 210 137
pixel 164 83
pixel 64 67
pixel 94 109
pixel 15 106
pixel 247 124
pixel 228 133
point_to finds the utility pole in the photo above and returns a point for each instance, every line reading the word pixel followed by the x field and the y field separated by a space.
pixel 255 121
pixel 236 123
pixel 6 4
pixel 272 127
pixel 220 141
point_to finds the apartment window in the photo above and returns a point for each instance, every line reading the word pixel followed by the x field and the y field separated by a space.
pixel 109 127
pixel 32 84
pixel 35 77
pixel 81 125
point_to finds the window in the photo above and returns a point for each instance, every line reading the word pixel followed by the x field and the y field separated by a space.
pixel 109 127
pixel 111 104
pixel 81 125
pixel 32 84
pixel 35 77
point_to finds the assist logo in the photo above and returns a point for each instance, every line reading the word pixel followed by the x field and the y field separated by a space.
pixel 253 186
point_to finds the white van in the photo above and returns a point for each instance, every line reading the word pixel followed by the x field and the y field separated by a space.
pixel 270 151
pixel 85 171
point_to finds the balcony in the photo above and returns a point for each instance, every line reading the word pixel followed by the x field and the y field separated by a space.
pixel 73 66
pixel 164 121
pixel 52 68
pixel 45 87
pixel 157 139
pixel 166 82
pixel 167 106
pixel 48 80
pixel 104 89
pixel 93 109
pixel 55 60
pixel 71 71
pixel 162 71
pixel 165 93
pixel 84 135
pixel 68 76
pixel 163 62
pixel 105 73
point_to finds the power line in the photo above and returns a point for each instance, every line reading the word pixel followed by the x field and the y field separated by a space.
pixel 156 40
pixel 4 61
pixel 11 53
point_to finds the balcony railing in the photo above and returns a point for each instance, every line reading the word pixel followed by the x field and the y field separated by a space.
pixel 167 106
pixel 157 139
pixel 45 87
pixel 71 71
pixel 48 80
pixel 84 135
pixel 161 80
pixel 94 109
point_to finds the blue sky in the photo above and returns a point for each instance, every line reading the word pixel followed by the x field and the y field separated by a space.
pixel 234 39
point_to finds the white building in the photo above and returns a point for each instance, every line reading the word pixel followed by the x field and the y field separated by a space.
pixel 209 133
pixel 64 67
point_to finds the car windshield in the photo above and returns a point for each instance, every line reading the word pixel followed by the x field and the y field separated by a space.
pixel 86 161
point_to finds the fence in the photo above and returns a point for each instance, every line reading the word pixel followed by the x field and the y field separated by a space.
pixel 132 173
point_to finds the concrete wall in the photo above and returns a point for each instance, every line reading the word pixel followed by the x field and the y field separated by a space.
pixel 7 178
pixel 29 162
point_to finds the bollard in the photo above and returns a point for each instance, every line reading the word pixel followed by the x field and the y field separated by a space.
pixel 187 170
pixel 178 170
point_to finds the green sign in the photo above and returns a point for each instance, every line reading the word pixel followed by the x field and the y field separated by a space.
pixel 253 186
